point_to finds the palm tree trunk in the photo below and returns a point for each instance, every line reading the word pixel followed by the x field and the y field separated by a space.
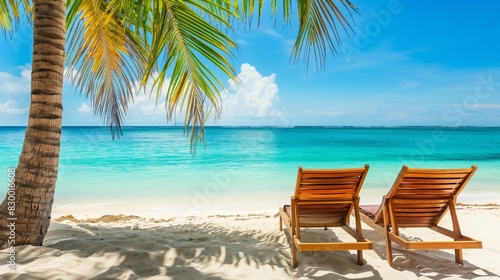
pixel 36 173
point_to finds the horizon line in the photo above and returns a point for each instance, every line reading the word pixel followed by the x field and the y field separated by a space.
pixel 270 126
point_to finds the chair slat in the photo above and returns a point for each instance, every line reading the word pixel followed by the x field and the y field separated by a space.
pixel 327 191
pixel 432 180
pixel 426 185
pixel 329 180
pixel 416 207
pixel 435 192
pixel 328 185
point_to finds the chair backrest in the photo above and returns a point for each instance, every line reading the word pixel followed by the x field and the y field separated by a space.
pixel 325 197
pixel 421 197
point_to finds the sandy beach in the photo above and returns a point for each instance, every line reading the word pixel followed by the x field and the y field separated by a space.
pixel 246 246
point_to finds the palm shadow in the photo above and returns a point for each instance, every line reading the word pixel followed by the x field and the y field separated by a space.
pixel 339 264
pixel 429 264
pixel 210 251
pixel 186 251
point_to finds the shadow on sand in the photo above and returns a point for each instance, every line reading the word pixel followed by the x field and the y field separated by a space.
pixel 211 251
pixel 427 264
pixel 188 251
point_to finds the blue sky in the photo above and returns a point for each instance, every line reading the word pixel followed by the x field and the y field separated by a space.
pixel 409 63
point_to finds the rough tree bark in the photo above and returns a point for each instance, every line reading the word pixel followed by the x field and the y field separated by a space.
pixel 36 173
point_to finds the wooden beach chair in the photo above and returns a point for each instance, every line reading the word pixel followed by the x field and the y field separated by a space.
pixel 421 198
pixel 325 198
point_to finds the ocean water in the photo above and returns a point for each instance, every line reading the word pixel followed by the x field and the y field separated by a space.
pixel 155 165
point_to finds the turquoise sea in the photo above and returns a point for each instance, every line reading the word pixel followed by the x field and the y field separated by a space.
pixel 241 165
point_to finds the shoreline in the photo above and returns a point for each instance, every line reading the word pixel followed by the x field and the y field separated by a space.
pixel 114 218
pixel 206 204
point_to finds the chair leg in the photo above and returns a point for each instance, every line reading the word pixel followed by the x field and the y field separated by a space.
pixel 360 257
pixel 388 244
pixel 294 255
pixel 458 256
pixel 388 249
pixel 281 223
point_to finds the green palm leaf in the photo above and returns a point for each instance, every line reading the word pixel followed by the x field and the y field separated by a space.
pixel 107 55
pixel 318 32
pixel 186 44
pixel 319 24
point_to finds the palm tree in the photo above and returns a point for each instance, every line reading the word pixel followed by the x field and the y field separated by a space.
pixel 113 43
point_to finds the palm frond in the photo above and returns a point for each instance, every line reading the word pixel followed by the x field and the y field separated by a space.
pixel 108 56
pixel 185 43
pixel 194 50
pixel 10 12
pixel 320 21
pixel 319 24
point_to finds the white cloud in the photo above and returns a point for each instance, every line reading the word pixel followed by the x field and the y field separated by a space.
pixel 11 107
pixel 14 96
pixel 84 109
pixel 143 105
pixel 16 84
pixel 144 110
pixel 70 74
pixel 254 96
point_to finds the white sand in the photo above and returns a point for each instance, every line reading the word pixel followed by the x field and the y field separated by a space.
pixel 245 246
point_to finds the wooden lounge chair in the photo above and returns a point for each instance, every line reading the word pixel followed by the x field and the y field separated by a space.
pixel 325 198
pixel 421 198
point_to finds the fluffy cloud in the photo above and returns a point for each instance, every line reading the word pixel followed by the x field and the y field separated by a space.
pixel 84 109
pixel 14 96
pixel 252 99
pixel 14 84
pixel 254 96
pixel 11 107
pixel 144 105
